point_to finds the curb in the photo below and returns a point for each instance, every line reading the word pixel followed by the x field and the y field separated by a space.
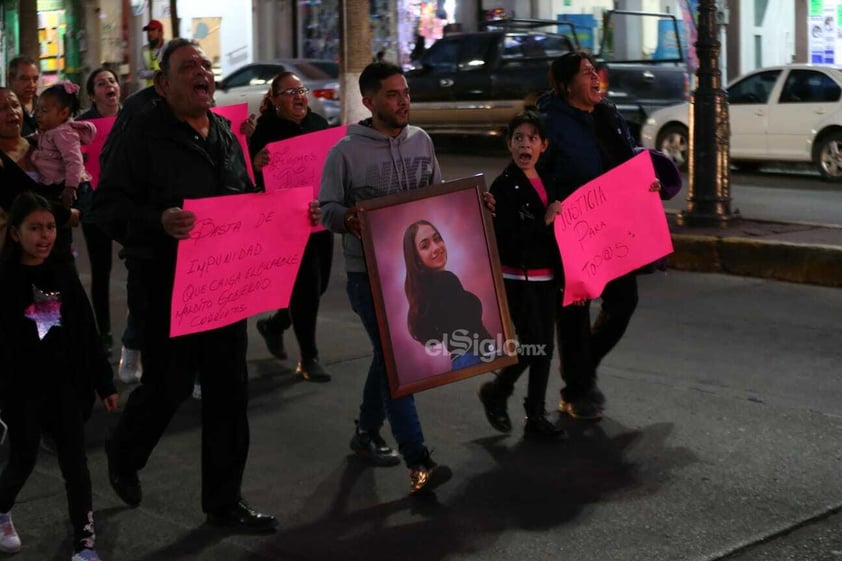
pixel 808 264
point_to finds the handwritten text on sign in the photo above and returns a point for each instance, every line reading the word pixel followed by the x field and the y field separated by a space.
pixel 298 161
pixel 609 227
pixel 237 114
pixel 241 258
pixel 92 151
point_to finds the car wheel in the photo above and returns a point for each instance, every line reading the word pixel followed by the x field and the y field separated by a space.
pixel 674 141
pixel 828 157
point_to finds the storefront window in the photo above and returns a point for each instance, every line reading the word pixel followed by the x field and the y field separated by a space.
pixel 320 29
pixel 51 31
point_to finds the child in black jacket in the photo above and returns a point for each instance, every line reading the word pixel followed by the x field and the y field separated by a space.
pixel 531 268
pixel 52 363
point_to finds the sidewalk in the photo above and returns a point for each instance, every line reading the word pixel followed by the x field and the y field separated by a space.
pixel 794 252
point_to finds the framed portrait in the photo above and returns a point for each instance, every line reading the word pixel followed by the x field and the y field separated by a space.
pixel 437 287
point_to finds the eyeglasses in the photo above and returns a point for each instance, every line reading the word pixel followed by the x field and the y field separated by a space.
pixel 294 91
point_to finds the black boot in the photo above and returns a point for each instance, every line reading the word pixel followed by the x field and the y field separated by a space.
pixel 537 423
pixel 494 403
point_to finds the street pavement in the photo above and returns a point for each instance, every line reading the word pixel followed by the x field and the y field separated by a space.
pixel 722 440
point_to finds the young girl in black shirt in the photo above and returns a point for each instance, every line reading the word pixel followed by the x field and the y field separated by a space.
pixel 52 363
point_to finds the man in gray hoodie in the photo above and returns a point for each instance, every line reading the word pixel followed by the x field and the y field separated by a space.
pixel 380 155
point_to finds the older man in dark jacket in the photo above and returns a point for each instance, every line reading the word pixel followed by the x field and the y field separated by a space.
pixel 178 150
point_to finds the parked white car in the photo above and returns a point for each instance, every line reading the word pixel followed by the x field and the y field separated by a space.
pixel 778 114
pixel 250 83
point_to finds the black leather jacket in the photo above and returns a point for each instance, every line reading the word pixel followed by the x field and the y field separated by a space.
pixel 157 163
pixel 524 241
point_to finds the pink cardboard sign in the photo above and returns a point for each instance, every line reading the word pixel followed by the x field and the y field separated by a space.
pixel 241 258
pixel 298 161
pixel 91 152
pixel 237 114
pixel 609 227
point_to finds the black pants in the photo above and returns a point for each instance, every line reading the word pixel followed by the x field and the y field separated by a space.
pixel 169 369
pixel 532 306
pixel 310 284
pixel 582 346
pixel 99 253
pixel 619 301
pixel 59 415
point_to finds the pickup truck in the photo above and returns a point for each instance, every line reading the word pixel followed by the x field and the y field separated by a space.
pixel 474 82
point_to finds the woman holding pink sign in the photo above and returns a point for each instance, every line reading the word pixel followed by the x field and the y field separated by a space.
pixel 285 113
pixel 588 137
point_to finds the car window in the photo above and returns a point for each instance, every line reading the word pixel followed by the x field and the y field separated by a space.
pixel 240 77
pixel 318 70
pixel 442 56
pixel 473 53
pixel 555 45
pixel 533 49
pixel 253 75
pixel 809 86
pixel 754 89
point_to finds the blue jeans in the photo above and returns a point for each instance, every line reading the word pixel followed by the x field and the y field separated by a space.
pixel 464 361
pixel 378 403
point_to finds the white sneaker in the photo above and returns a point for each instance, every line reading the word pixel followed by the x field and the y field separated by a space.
pixel 197 391
pixel 9 539
pixel 131 368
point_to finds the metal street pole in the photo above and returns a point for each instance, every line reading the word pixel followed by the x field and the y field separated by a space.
pixel 709 199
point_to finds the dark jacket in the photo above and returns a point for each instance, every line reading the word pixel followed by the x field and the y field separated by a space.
pixel 156 164
pixel 29 125
pixel 69 355
pixel 447 312
pixel 134 105
pixel 524 241
pixel 272 128
pixel 583 145
pixel 14 181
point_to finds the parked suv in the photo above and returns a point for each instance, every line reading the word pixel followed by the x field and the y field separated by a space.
pixel 250 83
pixel 475 82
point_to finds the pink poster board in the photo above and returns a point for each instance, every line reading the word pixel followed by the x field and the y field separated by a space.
pixel 241 258
pixel 298 161
pixel 237 114
pixel 609 227
pixel 91 152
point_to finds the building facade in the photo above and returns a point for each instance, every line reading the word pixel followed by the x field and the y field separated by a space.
pixel 75 36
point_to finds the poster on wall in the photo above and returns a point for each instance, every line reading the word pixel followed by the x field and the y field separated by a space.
pixel 823 31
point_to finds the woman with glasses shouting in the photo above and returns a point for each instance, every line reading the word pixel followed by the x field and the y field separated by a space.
pixel 285 113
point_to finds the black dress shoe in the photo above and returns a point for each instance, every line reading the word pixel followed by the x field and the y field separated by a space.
pixel 273 338
pixel 125 484
pixel 243 518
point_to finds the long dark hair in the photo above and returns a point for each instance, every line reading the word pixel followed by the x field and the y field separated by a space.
pixel 24 204
pixel 90 84
pixel 415 269
pixel 564 69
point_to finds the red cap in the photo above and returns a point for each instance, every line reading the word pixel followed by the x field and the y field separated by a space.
pixel 153 24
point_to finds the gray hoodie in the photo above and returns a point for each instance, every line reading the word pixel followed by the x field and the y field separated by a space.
pixel 367 164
